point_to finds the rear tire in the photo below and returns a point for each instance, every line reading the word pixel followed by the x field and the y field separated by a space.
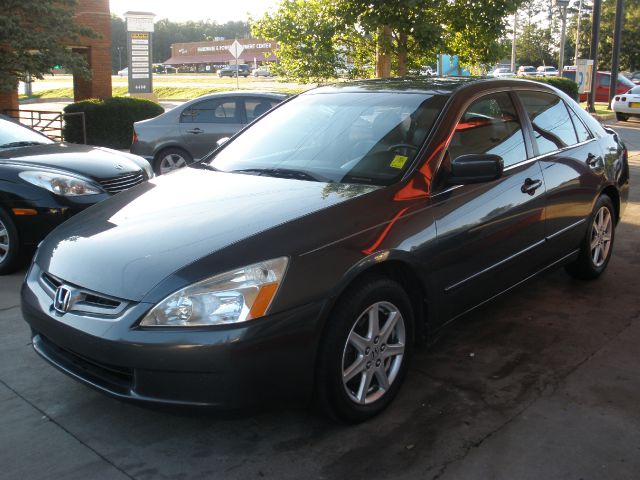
pixel 171 159
pixel 621 117
pixel 366 350
pixel 597 246
pixel 9 244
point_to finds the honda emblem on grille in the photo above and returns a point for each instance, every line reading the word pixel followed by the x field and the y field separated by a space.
pixel 119 167
pixel 62 299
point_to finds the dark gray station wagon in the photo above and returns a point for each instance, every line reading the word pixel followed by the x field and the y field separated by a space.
pixel 305 257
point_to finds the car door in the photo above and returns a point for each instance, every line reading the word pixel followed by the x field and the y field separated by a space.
pixel 489 234
pixel 572 166
pixel 204 123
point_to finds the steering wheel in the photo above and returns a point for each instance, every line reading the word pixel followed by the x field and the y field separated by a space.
pixel 402 145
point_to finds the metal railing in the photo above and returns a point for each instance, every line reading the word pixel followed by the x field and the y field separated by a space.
pixel 49 123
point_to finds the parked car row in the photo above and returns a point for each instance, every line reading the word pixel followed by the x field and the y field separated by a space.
pixel 307 255
pixel 243 70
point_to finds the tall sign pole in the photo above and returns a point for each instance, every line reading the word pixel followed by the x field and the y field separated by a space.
pixel 139 52
pixel 615 61
pixel 595 38
pixel 236 49
pixel 563 4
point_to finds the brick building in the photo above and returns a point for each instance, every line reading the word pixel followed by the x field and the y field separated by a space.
pixel 211 55
pixel 94 14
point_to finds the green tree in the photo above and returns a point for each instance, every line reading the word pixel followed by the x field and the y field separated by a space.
pixel 306 31
pixel 630 47
pixel 119 58
pixel 395 35
pixel 34 35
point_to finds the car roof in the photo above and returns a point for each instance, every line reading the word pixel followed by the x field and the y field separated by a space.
pixel 438 86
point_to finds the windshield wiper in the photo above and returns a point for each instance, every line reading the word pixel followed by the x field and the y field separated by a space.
pixel 283 173
pixel 20 144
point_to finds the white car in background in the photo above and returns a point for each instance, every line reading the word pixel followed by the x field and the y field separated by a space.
pixel 547 71
pixel 124 72
pixel 502 72
pixel 627 104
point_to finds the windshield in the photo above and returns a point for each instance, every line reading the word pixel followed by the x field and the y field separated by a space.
pixel 15 135
pixel 368 138
pixel 635 90
pixel 625 81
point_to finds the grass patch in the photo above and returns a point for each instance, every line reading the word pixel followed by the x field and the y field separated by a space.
pixel 601 108
pixel 164 93
pixel 53 93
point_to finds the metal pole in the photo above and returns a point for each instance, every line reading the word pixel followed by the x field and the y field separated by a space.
pixel 615 61
pixel 595 38
pixel 575 60
pixel 563 37
pixel 237 72
pixel 513 44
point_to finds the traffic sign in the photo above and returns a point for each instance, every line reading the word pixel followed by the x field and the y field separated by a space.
pixel 236 49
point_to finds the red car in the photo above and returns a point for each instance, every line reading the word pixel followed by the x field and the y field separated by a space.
pixel 603 83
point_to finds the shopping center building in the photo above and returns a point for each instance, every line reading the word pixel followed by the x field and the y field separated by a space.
pixel 212 55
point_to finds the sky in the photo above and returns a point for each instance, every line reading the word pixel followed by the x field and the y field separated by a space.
pixel 181 10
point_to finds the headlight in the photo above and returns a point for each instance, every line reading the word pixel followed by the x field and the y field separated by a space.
pixel 60 183
pixel 236 296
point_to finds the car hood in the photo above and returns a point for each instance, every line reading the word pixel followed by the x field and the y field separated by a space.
pixel 95 162
pixel 127 244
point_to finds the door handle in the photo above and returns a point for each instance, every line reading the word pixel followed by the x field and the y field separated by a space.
pixel 195 131
pixel 530 186
pixel 595 162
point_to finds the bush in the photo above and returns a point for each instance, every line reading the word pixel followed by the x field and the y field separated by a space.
pixel 567 85
pixel 109 122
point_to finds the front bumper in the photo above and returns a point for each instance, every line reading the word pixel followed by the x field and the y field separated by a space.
pixel 232 366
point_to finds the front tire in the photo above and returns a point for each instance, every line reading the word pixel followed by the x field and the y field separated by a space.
pixel 9 244
pixel 366 350
pixel 171 159
pixel 597 246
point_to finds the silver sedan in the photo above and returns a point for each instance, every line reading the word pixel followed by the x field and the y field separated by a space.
pixel 190 131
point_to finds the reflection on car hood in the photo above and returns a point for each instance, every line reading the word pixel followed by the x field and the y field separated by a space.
pixel 127 244
pixel 95 162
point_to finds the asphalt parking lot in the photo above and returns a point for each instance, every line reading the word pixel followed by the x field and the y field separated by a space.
pixel 541 384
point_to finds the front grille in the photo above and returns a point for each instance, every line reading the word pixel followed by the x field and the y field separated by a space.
pixel 84 302
pixel 122 183
pixel 110 377
pixel 100 301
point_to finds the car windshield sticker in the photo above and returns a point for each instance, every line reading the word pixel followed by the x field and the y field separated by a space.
pixel 398 161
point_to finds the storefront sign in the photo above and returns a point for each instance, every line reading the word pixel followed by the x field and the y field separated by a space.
pixel 139 32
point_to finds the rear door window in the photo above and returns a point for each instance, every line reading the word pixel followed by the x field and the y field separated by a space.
pixel 581 130
pixel 552 126
pixel 212 111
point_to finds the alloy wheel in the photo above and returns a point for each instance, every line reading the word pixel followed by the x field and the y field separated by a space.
pixel 373 353
pixel 172 161
pixel 5 243
pixel 601 230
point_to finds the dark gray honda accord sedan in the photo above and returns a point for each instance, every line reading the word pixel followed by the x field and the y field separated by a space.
pixel 305 257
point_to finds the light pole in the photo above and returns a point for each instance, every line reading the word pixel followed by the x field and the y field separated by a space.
pixel 578 35
pixel 120 57
pixel 563 4
pixel 513 43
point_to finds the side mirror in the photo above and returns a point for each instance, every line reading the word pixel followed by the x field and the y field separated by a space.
pixel 475 168
pixel 222 141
